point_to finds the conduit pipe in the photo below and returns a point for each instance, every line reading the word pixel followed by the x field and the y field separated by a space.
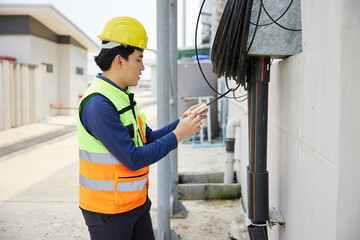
pixel 258 176
pixel 230 144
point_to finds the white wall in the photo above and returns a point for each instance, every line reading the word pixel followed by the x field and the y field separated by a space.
pixel 71 84
pixel 314 130
pixel 302 150
pixel 64 79
pixel 79 83
pixel 45 51
pixel 62 86
pixel 17 46
pixel 348 199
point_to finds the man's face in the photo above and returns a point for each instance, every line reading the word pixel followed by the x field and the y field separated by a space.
pixel 132 68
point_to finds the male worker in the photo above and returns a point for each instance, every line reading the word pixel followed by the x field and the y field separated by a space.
pixel 116 145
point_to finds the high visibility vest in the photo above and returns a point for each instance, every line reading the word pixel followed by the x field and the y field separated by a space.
pixel 106 185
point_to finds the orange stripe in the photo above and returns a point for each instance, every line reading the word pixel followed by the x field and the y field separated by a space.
pixel 141 129
pixel 252 235
pixel 97 170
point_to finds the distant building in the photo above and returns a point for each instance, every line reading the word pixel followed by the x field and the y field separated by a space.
pixel 41 37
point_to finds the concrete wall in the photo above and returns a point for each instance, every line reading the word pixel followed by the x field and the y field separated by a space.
pixel 64 78
pixel 63 85
pixel 71 85
pixel 18 46
pixel 314 130
pixel 348 198
pixel 78 83
pixel 46 52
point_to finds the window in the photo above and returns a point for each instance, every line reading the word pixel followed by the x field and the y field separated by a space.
pixel 79 71
pixel 49 67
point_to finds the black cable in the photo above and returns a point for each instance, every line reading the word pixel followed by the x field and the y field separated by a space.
pixel 196 50
pixel 266 24
pixel 242 62
pixel 197 56
pixel 256 26
pixel 241 100
pixel 228 54
pixel 275 21
pixel 222 95
pixel 230 47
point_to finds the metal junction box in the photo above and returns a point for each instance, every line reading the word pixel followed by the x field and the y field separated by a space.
pixel 273 40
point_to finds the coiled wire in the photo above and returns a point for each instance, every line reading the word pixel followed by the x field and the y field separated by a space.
pixel 228 54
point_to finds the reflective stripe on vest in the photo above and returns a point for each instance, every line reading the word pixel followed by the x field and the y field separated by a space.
pixel 103 158
pixel 101 185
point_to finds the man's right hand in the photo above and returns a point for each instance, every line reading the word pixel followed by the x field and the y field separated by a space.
pixel 188 126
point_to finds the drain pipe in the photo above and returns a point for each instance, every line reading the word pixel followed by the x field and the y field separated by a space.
pixel 230 143
pixel 258 179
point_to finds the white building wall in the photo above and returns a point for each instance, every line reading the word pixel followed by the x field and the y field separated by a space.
pixel 27 83
pixel 348 198
pixel 46 52
pixel 79 83
pixel 313 129
pixel 18 46
pixel 71 85
pixel 63 85
pixel 64 79
pixel 303 145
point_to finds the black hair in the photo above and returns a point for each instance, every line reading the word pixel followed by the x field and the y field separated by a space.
pixel 106 56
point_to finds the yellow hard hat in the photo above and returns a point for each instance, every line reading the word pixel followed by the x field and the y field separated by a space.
pixel 125 30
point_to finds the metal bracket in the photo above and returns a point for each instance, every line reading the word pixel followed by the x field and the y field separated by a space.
pixel 275 217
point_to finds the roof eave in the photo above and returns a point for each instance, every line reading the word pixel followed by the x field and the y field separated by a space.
pixel 52 19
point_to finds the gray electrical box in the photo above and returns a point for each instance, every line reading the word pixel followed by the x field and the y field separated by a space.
pixel 273 40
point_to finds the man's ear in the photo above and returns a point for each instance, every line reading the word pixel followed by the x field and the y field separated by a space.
pixel 118 61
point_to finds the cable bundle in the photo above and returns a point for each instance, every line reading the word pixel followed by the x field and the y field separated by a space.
pixel 228 54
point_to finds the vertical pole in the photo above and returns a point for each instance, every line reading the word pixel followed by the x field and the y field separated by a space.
pixel 163 73
pixel 258 189
pixel 184 23
pixel 174 101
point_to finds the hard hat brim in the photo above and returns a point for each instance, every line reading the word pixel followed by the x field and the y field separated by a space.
pixel 107 39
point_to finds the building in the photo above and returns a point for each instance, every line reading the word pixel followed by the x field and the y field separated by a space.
pixel 313 143
pixel 313 131
pixel 49 74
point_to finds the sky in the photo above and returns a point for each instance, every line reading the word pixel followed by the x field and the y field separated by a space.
pixel 91 16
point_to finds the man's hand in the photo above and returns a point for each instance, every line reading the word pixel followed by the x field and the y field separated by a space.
pixel 188 126
pixel 188 112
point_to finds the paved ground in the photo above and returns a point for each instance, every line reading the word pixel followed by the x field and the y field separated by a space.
pixel 39 185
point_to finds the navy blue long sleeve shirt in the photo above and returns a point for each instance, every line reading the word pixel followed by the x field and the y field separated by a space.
pixel 100 118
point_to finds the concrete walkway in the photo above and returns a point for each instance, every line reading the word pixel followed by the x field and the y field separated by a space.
pixel 39 184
